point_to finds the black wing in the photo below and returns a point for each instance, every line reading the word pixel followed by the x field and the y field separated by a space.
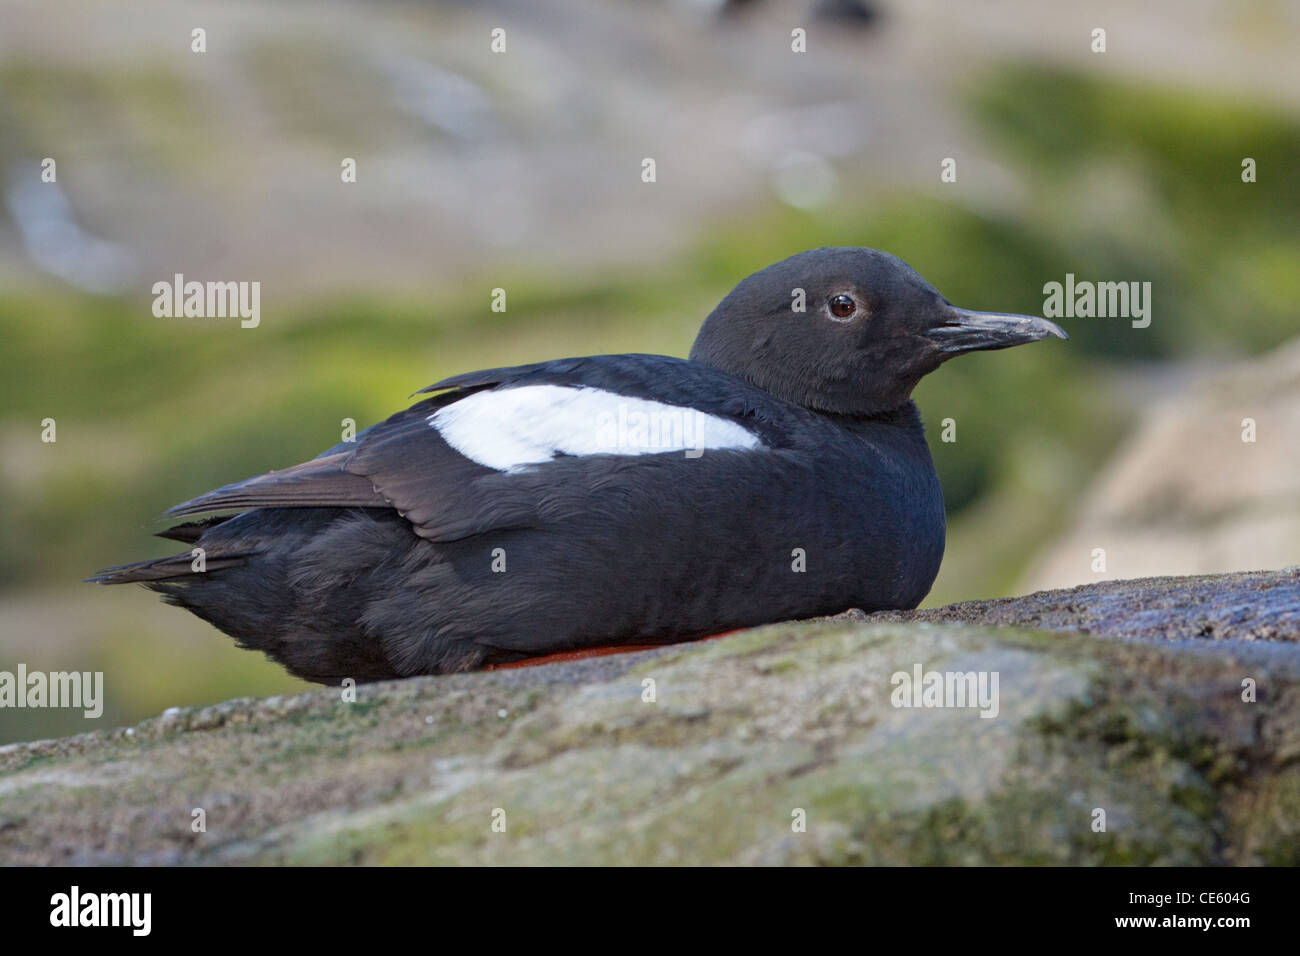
pixel 404 463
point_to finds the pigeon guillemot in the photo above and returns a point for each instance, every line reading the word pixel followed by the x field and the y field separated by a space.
pixel 781 472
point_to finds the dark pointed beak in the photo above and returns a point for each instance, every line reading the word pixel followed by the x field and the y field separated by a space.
pixel 962 331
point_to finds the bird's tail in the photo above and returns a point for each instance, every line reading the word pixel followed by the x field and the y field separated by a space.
pixel 283 581
pixel 172 567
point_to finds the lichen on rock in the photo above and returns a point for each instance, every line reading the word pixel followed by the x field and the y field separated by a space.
pixel 1125 697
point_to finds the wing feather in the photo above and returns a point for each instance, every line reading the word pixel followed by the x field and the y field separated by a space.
pixel 321 482
pixel 404 462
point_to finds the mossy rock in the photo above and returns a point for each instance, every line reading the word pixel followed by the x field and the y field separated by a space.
pixel 1111 711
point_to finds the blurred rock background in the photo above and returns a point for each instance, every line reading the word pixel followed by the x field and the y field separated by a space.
pixel 522 171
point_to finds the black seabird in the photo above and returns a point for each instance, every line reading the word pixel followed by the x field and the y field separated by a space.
pixel 781 472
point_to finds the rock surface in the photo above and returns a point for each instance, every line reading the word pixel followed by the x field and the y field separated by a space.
pixel 1122 697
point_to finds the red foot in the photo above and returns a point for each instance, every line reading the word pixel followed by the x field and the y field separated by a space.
pixel 587 652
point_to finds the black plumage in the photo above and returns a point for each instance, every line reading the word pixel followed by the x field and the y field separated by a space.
pixel 448 538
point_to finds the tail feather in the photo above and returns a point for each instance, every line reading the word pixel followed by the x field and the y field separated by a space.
pixel 291 583
pixel 165 569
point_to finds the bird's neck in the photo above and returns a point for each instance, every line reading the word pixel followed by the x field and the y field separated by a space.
pixel 906 416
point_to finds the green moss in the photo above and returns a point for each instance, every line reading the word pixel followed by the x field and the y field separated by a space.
pixel 151 114
pixel 712 772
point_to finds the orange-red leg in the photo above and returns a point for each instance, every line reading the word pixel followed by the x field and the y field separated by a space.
pixel 587 652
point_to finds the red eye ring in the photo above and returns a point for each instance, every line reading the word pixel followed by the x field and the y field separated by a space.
pixel 842 306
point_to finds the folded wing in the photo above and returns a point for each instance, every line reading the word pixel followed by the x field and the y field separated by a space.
pixel 466 462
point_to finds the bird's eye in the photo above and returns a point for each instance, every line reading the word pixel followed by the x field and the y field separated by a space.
pixel 842 306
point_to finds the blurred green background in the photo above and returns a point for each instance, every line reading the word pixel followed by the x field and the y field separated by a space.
pixel 522 171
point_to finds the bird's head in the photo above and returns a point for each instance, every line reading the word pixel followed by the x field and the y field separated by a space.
pixel 847 330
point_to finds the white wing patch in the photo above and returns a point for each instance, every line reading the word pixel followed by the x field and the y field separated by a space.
pixel 513 427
